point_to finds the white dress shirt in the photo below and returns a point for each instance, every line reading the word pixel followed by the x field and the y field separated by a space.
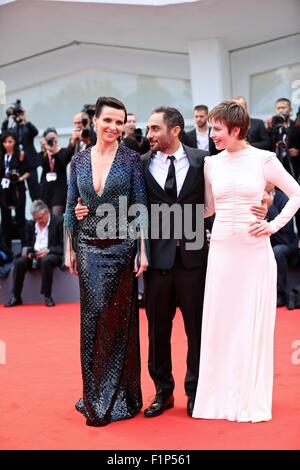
pixel 159 167
pixel 202 140
pixel 41 236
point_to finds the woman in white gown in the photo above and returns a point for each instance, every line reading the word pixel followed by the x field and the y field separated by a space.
pixel 236 360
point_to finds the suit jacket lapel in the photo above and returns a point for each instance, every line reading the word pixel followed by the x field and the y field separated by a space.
pixel 191 174
pixel 151 181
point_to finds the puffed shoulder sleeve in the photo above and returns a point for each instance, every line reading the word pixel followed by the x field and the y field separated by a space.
pixel 275 173
pixel 209 207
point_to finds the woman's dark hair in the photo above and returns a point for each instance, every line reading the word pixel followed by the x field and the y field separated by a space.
pixel 112 103
pixel 5 135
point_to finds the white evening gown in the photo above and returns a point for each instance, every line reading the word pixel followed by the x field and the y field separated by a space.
pixel 236 360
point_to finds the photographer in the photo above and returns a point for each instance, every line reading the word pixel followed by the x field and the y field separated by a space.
pixel 285 137
pixel 13 173
pixel 133 137
pixel 43 249
pixel 54 161
pixel 83 135
pixel 25 132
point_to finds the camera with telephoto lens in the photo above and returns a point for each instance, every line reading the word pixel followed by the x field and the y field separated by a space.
pixel 50 141
pixel 85 133
pixel 17 110
pixel 279 129
pixel 279 136
pixel 279 120
pixel 89 109
pixel 34 259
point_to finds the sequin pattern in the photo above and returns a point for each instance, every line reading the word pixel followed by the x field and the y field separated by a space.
pixel 110 350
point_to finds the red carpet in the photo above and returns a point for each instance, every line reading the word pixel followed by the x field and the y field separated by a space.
pixel 40 383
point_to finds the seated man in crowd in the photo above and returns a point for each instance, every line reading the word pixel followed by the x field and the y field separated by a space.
pixel 284 242
pixel 43 249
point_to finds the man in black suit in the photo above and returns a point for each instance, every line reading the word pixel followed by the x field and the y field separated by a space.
pixel 43 250
pixel 257 135
pixel 200 136
pixel 177 274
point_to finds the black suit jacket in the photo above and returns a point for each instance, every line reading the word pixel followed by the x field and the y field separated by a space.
pixel 163 252
pixel 55 236
pixel 258 135
pixel 25 133
pixel 286 235
pixel 190 139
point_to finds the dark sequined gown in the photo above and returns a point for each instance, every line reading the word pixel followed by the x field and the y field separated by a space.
pixel 110 350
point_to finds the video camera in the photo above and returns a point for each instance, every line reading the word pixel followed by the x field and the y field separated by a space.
pixel 51 141
pixel 89 109
pixel 279 137
pixel 17 111
pixel 279 120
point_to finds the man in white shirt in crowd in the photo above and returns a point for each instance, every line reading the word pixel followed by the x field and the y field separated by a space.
pixel 43 250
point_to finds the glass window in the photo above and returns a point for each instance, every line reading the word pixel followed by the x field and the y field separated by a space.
pixel 267 87
pixel 55 102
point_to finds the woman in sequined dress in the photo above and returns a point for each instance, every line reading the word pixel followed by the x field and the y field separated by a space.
pixel 110 351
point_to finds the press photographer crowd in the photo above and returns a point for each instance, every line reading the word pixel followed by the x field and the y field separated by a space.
pixel 41 238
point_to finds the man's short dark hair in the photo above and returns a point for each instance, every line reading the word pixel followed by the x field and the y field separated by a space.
pixel 112 103
pixel 286 100
pixel 201 107
pixel 171 117
pixel 48 130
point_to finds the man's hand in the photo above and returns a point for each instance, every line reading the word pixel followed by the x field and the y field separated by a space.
pixel 293 152
pixel 260 211
pixel 81 211
pixel 75 136
pixel 42 253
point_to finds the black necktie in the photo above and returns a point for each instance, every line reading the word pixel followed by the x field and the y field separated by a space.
pixel 170 184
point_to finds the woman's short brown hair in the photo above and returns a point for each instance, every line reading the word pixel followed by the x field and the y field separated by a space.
pixel 232 115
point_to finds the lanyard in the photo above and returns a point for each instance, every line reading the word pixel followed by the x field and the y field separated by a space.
pixel 7 159
pixel 51 162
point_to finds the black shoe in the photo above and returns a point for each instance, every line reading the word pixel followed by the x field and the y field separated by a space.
pixel 159 405
pixel 49 302
pixel 96 424
pixel 14 301
pixel 281 300
pixel 190 406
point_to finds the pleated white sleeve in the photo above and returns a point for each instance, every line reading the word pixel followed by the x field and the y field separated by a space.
pixel 275 173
